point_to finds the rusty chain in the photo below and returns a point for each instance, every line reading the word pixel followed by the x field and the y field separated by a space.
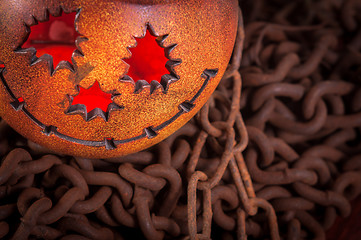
pixel 284 168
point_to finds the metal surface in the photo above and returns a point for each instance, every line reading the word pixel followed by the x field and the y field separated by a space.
pixel 285 172
pixel 197 37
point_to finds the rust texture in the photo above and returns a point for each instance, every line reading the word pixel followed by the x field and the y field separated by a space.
pixel 285 170
pixel 197 36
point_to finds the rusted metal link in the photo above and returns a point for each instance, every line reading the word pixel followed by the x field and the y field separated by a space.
pixel 181 154
pixel 246 177
pixel 271 215
pixel 136 158
pixel 192 200
pixel 70 173
pixel 34 167
pixel 327 198
pixel 189 130
pixel 221 218
pixel 340 137
pixel 273 32
pixel 45 232
pixel 241 225
pixel 11 162
pixel 194 158
pixel 238 49
pixel 92 204
pixel 260 118
pixel 25 182
pixel 4 229
pixel 74 237
pixel 272 192
pixel 85 228
pixel 284 150
pixel 329 218
pixel 7 210
pixel 110 179
pixel 226 157
pixel 349 14
pixel 120 214
pixel 304 128
pixel 208 127
pixel 242 134
pixel 320 89
pixel 142 202
pixel 166 224
pixel 294 230
pixel 26 198
pixel 293 91
pixel 348 184
pixel 286 47
pixel 325 42
pixel 262 142
pixel 317 165
pixel 353 164
pixel 207 213
pixel 284 66
pixel 105 217
pixel 325 152
pixel 356 103
pixel 246 200
pixel 346 121
pixel 164 154
pixel 284 177
pixel 292 204
pixel 140 179
pixel 83 163
pixel 175 186
pixel 30 218
pixel 62 207
pixel 218 177
pixel 309 222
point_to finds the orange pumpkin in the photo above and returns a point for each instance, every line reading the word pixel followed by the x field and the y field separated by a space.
pixel 129 74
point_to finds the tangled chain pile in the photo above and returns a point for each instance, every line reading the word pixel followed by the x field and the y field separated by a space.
pixel 301 102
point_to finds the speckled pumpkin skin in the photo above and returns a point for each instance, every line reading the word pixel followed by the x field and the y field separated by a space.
pixel 204 31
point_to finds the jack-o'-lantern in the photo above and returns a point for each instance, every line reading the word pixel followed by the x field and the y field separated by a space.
pixel 126 75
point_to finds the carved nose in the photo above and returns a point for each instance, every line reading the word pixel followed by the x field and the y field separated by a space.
pixel 93 102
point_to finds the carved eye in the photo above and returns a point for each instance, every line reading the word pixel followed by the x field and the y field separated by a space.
pixel 148 60
pixel 55 37
pixel 150 63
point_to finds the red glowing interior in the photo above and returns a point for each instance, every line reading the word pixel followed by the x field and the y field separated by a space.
pixel 55 37
pixel 148 60
pixel 92 98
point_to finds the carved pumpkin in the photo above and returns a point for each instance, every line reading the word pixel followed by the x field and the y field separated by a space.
pixel 126 76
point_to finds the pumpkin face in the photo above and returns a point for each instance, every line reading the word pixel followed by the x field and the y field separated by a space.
pixel 127 75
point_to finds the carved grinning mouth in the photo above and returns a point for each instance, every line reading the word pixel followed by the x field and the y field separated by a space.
pixel 109 143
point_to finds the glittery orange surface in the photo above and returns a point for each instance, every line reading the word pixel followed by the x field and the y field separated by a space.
pixel 204 31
